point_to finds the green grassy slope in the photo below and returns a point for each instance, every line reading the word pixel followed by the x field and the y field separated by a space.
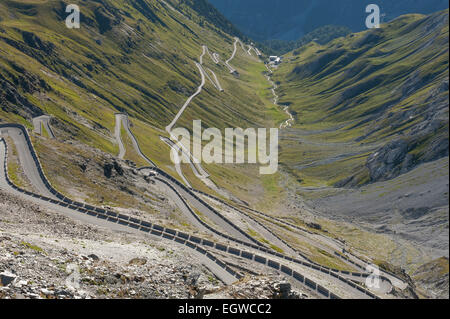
pixel 369 106
pixel 134 56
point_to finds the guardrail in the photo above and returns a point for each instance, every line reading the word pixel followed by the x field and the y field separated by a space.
pixel 309 232
pixel 298 252
pixel 201 201
pixel 256 221
pixel 312 265
pixel 204 224
pixel 33 154
pixel 78 204
pixel 300 229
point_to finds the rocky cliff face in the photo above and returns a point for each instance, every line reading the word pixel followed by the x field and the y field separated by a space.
pixel 398 156
pixel 13 92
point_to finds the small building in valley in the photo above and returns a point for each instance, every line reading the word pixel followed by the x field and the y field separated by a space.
pixel 275 60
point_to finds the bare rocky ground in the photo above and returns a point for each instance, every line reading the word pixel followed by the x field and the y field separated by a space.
pixel 433 278
pixel 412 207
pixel 407 217
pixel 257 287
pixel 44 254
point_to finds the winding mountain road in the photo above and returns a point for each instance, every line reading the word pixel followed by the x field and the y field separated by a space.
pixel 212 215
pixel 41 122
pixel 21 141
pixel 249 50
pixel 339 246
pixel 261 229
pixel 78 212
pixel 118 136
pixel 242 46
pixel 189 100
pixel 75 214
pixel 198 170
pixel 178 158
pixel 122 119
pixel 227 62
pixel 290 121
pixel 217 85
pixel 212 56
pixel 216 80
pixel 182 193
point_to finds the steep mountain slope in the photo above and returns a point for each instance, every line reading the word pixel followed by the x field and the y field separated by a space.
pixel 212 15
pixel 133 56
pixel 385 87
pixel 370 140
pixel 291 19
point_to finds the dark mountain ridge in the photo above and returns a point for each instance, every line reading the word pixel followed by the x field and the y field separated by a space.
pixel 291 19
